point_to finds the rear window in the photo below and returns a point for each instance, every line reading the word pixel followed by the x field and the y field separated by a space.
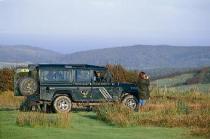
pixel 54 76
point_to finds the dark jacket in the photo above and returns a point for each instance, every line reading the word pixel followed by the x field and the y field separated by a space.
pixel 143 85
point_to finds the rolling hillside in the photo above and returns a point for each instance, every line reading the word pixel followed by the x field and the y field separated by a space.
pixel 27 54
pixel 132 57
pixel 201 76
pixel 194 80
pixel 146 57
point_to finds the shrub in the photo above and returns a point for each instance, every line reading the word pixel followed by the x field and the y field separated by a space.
pixel 6 79
pixel 201 132
pixel 185 110
pixel 116 114
pixel 37 119
pixel 120 74
pixel 182 107
pixel 8 100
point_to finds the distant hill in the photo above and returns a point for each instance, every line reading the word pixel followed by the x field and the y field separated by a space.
pixel 132 57
pixel 27 54
pixel 145 56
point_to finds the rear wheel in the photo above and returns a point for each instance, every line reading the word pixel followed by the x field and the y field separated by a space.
pixel 131 102
pixel 31 103
pixel 62 104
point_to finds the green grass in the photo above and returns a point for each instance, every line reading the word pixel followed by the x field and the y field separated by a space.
pixel 84 125
pixel 177 82
pixel 173 81
pixel 200 87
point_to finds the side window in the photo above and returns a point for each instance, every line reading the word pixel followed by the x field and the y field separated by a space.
pixel 103 76
pixel 83 75
pixel 54 75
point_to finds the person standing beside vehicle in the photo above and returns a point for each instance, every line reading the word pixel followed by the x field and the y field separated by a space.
pixel 143 83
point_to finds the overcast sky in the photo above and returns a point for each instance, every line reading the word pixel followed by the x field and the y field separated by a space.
pixel 73 25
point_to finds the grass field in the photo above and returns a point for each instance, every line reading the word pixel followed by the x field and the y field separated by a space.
pixel 173 81
pixel 177 82
pixel 84 125
pixel 201 87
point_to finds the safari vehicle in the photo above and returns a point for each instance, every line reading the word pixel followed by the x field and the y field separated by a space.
pixel 60 87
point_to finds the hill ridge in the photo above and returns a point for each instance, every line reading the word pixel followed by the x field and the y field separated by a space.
pixel 131 57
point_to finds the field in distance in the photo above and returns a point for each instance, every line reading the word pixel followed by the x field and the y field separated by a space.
pixel 194 80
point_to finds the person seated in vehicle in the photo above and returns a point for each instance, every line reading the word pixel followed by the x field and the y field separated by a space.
pixel 143 83
pixel 107 77
pixel 97 77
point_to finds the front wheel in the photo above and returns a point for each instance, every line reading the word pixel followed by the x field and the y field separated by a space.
pixel 131 102
pixel 62 104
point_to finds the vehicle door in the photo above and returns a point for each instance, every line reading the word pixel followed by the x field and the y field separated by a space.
pixel 103 89
pixel 82 85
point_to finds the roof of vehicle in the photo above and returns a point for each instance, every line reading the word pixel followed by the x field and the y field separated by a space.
pixel 83 66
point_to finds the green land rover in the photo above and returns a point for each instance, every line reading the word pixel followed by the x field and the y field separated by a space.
pixel 61 87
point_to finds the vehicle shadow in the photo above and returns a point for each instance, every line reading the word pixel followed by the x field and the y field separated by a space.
pixel 87 110
pixel 93 117
pixel 84 109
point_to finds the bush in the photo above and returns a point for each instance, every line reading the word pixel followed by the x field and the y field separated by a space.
pixel 115 114
pixel 120 74
pixel 6 79
pixel 9 101
pixel 37 119
pixel 201 132
pixel 191 110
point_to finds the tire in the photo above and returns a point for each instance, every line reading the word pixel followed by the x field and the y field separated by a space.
pixel 131 102
pixel 27 86
pixel 29 104
pixel 62 104
pixel 25 106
